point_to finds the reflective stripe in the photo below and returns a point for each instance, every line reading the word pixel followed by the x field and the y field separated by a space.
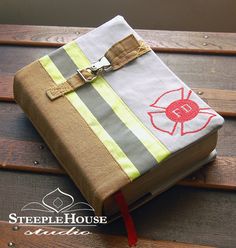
pixel 127 141
pixel 152 144
pixel 66 67
pixel 119 132
pixel 52 70
pixel 117 153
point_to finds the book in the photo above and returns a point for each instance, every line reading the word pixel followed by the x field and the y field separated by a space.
pixel 116 117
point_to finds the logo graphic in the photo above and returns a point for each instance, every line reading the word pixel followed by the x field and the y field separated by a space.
pixel 57 209
pixel 57 201
pixel 174 111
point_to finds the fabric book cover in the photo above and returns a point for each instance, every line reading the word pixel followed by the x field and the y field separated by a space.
pixel 116 117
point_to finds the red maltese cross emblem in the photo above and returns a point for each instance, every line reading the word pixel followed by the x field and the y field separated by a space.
pixel 176 112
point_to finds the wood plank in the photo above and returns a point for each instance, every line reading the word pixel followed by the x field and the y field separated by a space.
pixel 23 149
pixel 15 125
pixel 36 157
pixel 6 87
pixel 22 56
pixel 28 156
pixel 219 174
pixel 195 70
pixel 95 240
pixel 12 60
pixel 217 72
pixel 183 214
pixel 161 41
pixel 222 101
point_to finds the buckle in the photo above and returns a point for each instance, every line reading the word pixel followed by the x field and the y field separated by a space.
pixel 96 69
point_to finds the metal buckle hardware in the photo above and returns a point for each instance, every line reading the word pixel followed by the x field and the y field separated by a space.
pixel 96 68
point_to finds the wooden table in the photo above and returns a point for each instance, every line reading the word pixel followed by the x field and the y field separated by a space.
pixel 200 210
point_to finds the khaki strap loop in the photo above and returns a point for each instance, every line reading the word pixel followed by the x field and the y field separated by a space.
pixel 72 83
pixel 125 51
pixel 117 56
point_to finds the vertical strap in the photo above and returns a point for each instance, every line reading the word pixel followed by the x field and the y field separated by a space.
pixel 129 224
pixel 125 51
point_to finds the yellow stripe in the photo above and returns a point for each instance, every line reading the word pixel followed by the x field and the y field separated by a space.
pixel 152 144
pixel 126 165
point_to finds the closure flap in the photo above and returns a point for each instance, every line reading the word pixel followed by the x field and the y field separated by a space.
pixel 116 57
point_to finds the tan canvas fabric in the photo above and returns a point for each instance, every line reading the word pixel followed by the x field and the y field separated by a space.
pixel 125 51
pixel 70 85
pixel 162 177
pixel 74 144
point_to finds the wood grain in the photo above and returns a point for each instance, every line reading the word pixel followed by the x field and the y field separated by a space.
pixel 222 101
pixel 216 72
pixel 93 240
pixel 161 41
pixel 219 174
pixel 183 214
pixel 14 124
pixel 27 155
pixel 195 70
pixel 13 59
pixel 36 157
pixel 6 87
pixel 23 149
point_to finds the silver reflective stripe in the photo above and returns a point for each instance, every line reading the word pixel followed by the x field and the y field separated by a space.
pixel 62 61
pixel 128 142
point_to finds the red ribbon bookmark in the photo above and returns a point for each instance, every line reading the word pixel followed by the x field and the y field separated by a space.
pixel 129 224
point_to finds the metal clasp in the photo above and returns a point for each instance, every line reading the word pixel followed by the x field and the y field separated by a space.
pixel 96 69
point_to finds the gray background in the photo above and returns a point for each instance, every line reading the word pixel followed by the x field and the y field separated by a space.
pixel 197 15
